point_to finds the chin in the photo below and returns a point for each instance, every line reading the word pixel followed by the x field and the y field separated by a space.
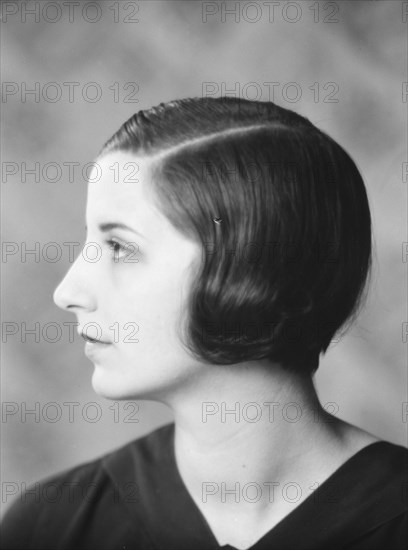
pixel 105 385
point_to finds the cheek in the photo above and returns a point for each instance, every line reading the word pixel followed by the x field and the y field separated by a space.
pixel 151 313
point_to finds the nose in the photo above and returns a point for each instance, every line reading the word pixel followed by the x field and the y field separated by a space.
pixel 75 291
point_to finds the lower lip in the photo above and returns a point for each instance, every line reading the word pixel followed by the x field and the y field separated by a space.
pixel 93 349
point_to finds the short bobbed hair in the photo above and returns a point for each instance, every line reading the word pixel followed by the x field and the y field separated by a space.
pixel 281 213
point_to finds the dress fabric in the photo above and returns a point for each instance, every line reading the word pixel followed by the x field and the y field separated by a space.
pixel 134 499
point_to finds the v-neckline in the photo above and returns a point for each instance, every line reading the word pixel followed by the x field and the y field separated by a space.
pixel 167 513
pixel 288 518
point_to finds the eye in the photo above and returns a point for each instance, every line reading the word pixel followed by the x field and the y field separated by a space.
pixel 119 250
pixel 123 251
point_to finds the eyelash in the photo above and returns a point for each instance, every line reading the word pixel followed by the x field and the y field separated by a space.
pixel 112 243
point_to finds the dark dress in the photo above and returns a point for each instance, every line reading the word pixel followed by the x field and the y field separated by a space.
pixel 134 499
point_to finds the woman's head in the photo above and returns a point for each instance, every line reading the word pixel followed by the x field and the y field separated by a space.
pixel 287 266
pixel 274 280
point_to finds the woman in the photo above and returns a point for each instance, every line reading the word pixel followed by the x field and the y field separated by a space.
pixel 235 243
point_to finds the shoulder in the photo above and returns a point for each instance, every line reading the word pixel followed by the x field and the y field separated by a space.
pixel 389 472
pixel 52 504
pixel 47 500
pixel 378 472
pixel 146 452
pixel 374 462
pixel 372 487
pixel 386 461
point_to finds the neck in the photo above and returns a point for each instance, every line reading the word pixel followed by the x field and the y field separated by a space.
pixel 249 423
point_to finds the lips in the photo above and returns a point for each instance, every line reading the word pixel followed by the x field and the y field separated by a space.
pixel 91 340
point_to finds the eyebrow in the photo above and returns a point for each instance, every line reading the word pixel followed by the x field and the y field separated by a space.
pixel 109 226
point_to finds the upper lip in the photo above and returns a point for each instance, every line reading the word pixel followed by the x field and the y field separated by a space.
pixel 88 338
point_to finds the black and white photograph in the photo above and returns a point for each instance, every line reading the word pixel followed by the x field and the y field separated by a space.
pixel 204 307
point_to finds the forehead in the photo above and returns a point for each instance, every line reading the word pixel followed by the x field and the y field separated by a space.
pixel 114 198
pixel 120 187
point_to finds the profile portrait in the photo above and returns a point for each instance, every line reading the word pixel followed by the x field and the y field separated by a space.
pixel 196 367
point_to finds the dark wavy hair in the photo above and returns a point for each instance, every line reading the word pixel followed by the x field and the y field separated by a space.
pixel 282 215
